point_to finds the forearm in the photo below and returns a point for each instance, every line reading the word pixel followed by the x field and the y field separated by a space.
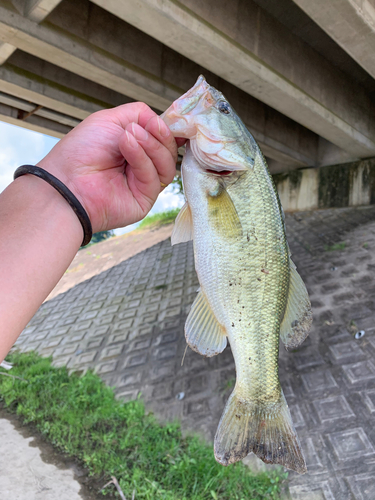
pixel 39 237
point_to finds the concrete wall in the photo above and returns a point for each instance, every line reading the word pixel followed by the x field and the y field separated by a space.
pixel 347 185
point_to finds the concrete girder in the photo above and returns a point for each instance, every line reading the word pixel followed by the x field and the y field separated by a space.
pixel 247 47
pixel 10 114
pixel 40 82
pixel 38 110
pixel 36 90
pixel 84 59
pixel 288 142
pixel 36 10
pixel 41 93
pixel 6 50
pixel 350 23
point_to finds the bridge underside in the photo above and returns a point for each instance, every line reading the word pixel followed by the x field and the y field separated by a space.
pixel 300 80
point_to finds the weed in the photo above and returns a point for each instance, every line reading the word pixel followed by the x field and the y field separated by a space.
pixel 336 246
pixel 229 384
pixel 352 326
pixel 365 245
pixel 160 218
pixel 81 416
pixel 74 269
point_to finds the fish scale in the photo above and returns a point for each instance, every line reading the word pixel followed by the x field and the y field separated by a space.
pixel 263 336
pixel 251 293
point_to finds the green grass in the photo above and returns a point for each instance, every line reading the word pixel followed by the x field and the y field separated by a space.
pixel 336 246
pixel 81 417
pixel 160 218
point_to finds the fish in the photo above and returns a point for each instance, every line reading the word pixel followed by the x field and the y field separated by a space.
pixel 250 291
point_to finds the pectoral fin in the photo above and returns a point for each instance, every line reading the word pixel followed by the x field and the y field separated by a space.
pixel 183 226
pixel 222 214
pixel 298 316
pixel 202 331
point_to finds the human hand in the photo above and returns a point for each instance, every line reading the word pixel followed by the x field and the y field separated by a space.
pixel 114 162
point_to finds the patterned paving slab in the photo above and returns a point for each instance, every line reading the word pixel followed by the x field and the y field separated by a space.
pixel 127 324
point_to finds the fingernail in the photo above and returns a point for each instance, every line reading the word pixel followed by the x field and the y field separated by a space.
pixel 163 129
pixel 139 133
pixel 130 142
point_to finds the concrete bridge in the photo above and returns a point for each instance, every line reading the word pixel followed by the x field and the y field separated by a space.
pixel 300 73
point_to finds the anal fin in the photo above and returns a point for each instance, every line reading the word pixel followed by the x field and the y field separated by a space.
pixel 266 430
pixel 183 226
pixel 202 331
pixel 298 316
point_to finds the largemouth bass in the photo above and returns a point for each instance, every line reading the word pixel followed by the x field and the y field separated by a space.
pixel 250 292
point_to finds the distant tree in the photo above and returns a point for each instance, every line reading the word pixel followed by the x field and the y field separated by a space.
pixel 177 185
pixel 101 236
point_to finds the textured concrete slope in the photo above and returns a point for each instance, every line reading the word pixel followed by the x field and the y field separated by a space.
pixel 127 324
pixel 95 259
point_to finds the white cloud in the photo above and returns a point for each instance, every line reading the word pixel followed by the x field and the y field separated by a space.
pixel 167 199
pixel 20 146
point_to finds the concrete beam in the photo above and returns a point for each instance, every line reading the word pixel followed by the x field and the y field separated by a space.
pixel 348 185
pixel 84 59
pixel 81 64
pixel 37 92
pixel 40 124
pixel 350 23
pixel 36 10
pixel 32 79
pixel 6 50
pixel 37 110
pixel 247 47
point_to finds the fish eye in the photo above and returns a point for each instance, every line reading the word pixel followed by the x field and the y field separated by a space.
pixel 223 107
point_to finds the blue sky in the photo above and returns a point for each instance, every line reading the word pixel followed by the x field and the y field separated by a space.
pixel 20 146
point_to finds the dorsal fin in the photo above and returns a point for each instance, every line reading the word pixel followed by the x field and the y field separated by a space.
pixel 298 316
pixel 183 226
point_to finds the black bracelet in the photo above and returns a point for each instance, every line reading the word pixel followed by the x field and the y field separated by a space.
pixel 65 192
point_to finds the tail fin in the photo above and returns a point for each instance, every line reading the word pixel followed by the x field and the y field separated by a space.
pixel 267 431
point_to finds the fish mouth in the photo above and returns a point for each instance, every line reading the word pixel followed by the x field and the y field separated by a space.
pixel 218 172
pixel 179 116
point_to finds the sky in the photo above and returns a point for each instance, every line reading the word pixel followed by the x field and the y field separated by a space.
pixel 20 146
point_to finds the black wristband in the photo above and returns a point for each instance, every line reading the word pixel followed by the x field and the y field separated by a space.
pixel 65 193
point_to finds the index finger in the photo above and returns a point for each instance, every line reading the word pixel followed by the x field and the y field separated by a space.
pixel 134 112
pixel 161 132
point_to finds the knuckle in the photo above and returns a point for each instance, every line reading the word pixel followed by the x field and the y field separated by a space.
pixel 141 106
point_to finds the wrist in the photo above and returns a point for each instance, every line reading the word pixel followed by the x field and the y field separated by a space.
pixel 64 191
pixel 41 201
